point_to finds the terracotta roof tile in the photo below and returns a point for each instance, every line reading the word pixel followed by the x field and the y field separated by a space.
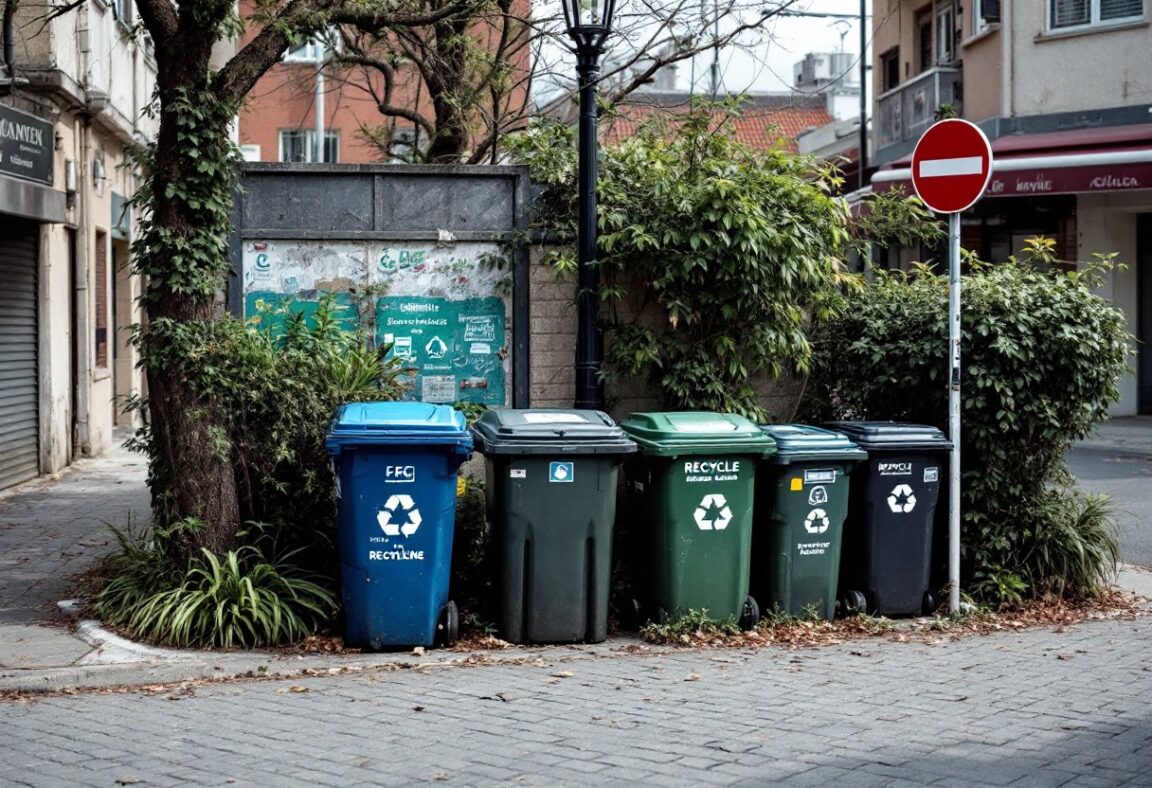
pixel 755 126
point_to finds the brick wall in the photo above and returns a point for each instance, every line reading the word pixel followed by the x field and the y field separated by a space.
pixel 553 351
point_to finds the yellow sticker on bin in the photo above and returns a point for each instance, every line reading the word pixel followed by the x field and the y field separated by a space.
pixel 797 484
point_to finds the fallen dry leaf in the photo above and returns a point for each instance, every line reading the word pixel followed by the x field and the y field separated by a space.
pixel 564 674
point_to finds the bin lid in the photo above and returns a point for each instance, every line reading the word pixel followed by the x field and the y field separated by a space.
pixel 408 423
pixel 894 435
pixel 549 431
pixel 802 442
pixel 678 433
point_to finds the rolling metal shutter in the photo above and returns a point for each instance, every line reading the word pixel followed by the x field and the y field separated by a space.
pixel 19 374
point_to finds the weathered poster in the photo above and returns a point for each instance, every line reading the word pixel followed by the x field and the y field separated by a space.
pixel 444 310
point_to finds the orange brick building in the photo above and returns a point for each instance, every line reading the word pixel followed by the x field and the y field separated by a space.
pixel 279 118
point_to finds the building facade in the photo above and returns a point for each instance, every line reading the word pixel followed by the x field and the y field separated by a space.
pixel 72 94
pixel 318 91
pixel 1063 89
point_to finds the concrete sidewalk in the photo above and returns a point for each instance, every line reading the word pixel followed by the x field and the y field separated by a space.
pixel 52 529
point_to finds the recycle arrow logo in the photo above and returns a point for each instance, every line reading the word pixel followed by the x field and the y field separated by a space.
pixel 405 507
pixel 713 513
pixel 902 500
pixel 816 522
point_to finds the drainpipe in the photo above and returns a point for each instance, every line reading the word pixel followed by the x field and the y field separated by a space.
pixel 1008 66
pixel 81 437
pixel 9 44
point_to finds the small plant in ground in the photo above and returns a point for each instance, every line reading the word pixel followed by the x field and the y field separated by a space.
pixel 244 598
pixel 690 628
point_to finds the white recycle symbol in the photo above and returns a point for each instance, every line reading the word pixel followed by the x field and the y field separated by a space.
pixel 816 522
pixel 713 503
pixel 901 491
pixel 395 505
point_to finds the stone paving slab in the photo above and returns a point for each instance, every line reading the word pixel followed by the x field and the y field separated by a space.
pixel 1032 708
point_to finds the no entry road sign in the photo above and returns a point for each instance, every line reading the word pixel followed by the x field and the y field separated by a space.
pixel 951 165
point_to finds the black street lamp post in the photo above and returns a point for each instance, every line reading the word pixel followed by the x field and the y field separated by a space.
pixel 589 23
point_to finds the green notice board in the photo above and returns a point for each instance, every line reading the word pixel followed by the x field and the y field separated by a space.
pixel 456 346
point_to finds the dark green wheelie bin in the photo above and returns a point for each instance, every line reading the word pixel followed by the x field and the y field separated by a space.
pixel 691 489
pixel 551 478
pixel 801 503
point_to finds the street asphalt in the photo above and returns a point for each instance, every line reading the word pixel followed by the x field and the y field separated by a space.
pixel 1056 706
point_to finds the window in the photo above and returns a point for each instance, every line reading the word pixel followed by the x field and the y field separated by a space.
pixel 890 69
pixel 1081 13
pixel 936 36
pixel 101 283
pixel 250 152
pixel 945 34
pixel 924 40
pixel 122 11
pixel 315 49
pixel 298 145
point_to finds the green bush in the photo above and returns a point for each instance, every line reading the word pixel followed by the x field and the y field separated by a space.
pixel 277 391
pixel 712 254
pixel 246 598
pixel 1041 359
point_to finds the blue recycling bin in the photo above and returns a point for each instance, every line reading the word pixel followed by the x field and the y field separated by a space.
pixel 396 466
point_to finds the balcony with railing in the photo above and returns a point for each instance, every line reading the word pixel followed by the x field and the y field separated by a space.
pixel 907 110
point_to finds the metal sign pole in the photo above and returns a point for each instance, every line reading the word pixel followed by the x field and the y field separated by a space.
pixel 954 411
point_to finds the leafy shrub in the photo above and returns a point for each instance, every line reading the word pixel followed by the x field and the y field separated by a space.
pixel 1041 359
pixel 278 390
pixel 242 599
pixel 730 248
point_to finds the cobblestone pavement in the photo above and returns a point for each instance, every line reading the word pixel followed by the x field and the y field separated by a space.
pixel 1024 708
pixel 51 530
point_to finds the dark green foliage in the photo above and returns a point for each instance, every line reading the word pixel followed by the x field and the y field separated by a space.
pixel 733 248
pixel 474 567
pixel 252 596
pixel 277 395
pixel 1041 359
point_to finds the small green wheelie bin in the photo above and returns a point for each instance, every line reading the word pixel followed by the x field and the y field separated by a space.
pixel 801 504
pixel 551 478
pixel 691 488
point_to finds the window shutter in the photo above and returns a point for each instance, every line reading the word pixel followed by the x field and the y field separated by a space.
pixel 1119 9
pixel 1067 13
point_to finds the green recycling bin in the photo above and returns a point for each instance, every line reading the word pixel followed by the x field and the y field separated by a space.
pixel 801 504
pixel 551 478
pixel 691 489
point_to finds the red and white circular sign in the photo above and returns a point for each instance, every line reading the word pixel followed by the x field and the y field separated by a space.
pixel 951 165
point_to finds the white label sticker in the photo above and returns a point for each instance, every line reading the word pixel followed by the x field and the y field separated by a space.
pixel 553 418
pixel 518 473
pixel 820 477
pixel 931 474
pixel 706 426
pixel 561 472
pixel 438 388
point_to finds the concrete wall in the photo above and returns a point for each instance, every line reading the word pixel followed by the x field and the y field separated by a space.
pixel 1107 223
pixel 88 75
pixel 553 356
pixel 1073 71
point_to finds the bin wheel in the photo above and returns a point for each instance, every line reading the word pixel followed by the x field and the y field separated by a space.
pixel 660 616
pixel 449 626
pixel 930 604
pixel 853 603
pixel 750 617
